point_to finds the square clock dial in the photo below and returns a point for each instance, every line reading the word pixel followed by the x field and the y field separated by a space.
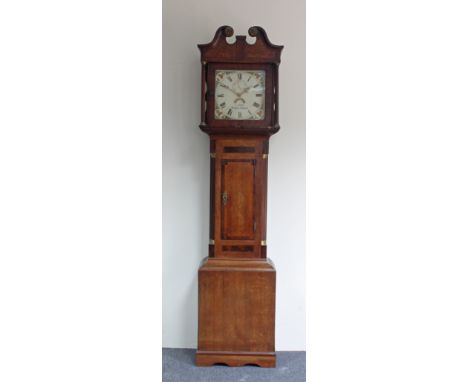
pixel 240 94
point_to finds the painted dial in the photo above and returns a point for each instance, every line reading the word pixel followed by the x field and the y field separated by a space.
pixel 240 94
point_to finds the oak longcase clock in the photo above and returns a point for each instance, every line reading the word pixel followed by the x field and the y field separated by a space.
pixel 236 282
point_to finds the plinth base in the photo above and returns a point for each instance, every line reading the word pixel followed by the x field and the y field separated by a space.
pixel 236 312
pixel 235 359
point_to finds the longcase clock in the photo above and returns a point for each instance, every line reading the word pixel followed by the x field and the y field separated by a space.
pixel 236 282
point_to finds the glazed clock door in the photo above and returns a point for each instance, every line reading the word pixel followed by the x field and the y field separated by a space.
pixel 240 95
pixel 238 207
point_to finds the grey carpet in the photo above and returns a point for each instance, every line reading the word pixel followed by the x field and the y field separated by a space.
pixel 179 366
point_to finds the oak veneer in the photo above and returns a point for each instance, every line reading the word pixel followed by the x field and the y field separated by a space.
pixel 236 282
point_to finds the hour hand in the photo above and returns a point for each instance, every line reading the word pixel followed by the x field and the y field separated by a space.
pixel 244 91
pixel 228 88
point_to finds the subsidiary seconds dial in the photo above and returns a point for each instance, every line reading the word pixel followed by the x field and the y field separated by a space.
pixel 240 94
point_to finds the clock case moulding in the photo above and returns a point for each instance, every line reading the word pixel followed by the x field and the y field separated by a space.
pixel 237 282
pixel 240 55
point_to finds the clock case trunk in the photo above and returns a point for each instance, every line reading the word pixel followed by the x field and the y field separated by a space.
pixel 237 282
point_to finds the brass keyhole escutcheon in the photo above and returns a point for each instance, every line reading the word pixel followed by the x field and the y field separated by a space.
pixel 225 198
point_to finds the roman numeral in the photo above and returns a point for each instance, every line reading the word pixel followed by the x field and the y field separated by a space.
pixel 239 75
pixel 229 112
pixel 224 86
pixel 256 85
pixel 258 95
pixel 229 78
pixel 239 115
pixel 222 95
pixel 256 104
pixel 223 104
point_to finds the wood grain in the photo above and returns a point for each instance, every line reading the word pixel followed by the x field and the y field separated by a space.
pixel 236 307
pixel 237 282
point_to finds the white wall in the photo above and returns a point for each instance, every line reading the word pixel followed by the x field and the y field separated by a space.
pixel 186 162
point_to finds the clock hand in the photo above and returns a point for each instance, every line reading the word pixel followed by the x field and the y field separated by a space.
pixel 239 95
pixel 228 88
pixel 244 91
pixel 232 90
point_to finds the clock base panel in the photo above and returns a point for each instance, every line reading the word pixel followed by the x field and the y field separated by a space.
pixel 236 314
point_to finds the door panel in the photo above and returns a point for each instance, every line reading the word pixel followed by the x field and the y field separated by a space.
pixel 238 199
